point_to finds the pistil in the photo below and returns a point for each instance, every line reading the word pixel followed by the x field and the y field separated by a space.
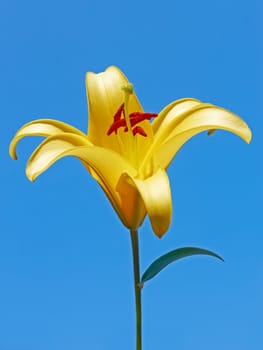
pixel 128 91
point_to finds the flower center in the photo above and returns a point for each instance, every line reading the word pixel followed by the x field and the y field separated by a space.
pixel 119 121
pixel 129 123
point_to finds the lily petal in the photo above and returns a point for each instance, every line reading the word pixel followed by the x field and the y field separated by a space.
pixel 105 96
pixel 48 151
pixel 195 120
pixel 41 127
pixel 107 173
pixel 173 111
pixel 156 195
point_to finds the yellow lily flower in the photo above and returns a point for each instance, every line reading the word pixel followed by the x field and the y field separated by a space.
pixel 123 151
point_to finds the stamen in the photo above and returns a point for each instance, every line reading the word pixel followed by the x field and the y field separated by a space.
pixel 117 115
pixel 138 117
pixel 134 118
pixel 144 115
pixel 138 130
pixel 116 125
pixel 129 122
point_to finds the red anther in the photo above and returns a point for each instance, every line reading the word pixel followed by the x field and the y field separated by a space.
pixel 135 118
pixel 139 130
pixel 117 115
pixel 138 117
pixel 145 116
pixel 116 125
pixel 118 122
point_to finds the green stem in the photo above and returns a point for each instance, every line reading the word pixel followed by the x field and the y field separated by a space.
pixel 137 288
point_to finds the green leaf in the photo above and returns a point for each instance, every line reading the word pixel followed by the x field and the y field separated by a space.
pixel 172 256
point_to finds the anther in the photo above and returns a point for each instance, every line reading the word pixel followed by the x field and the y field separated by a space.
pixel 116 125
pixel 117 115
pixel 134 118
pixel 138 130
pixel 138 117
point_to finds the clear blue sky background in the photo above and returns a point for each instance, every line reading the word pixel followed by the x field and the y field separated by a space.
pixel 65 260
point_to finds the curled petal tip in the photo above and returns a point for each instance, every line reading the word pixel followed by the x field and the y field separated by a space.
pixel 12 150
pixel 31 177
pixel 13 155
pixel 248 136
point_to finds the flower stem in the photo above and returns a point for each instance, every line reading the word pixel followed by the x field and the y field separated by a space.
pixel 137 288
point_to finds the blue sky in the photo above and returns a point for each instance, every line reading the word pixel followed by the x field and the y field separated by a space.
pixel 65 260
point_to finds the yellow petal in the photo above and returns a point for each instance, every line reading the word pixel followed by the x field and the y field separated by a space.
pixel 105 165
pixel 40 127
pixel 48 151
pixel 105 96
pixel 173 111
pixel 156 195
pixel 195 120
